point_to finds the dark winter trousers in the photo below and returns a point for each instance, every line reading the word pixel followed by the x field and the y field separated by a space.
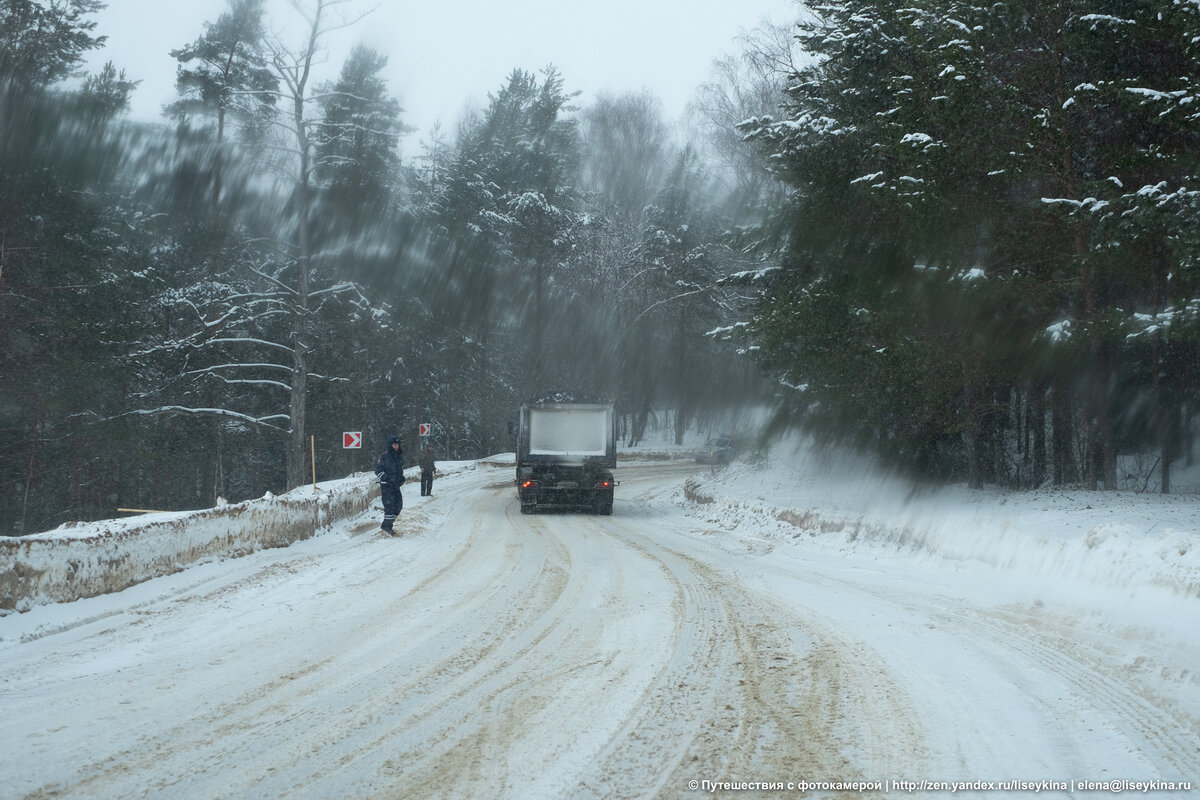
pixel 393 501
pixel 426 483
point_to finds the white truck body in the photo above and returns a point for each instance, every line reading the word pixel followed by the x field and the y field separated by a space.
pixel 570 432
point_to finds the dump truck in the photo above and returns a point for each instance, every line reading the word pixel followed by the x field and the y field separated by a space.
pixel 566 452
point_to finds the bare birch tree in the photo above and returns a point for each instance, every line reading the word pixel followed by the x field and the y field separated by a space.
pixel 293 66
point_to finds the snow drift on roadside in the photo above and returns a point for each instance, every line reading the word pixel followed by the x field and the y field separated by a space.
pixel 1048 543
pixel 91 558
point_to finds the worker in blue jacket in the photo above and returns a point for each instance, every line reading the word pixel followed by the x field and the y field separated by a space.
pixel 390 469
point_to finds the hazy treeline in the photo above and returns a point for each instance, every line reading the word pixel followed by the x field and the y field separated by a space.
pixel 991 239
pixel 185 304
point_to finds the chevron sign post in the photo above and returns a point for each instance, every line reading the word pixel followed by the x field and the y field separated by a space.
pixel 352 440
pixel 424 429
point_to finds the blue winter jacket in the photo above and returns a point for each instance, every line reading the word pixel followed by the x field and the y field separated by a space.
pixel 390 466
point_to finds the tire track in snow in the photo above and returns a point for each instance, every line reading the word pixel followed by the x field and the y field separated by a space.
pixel 1053 687
pixel 499 587
pixel 1168 732
pixel 787 700
pixel 574 659
pixel 269 707
pixel 461 706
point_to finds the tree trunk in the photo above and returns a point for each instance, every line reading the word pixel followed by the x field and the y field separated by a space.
pixel 298 406
pixel 539 325
pixel 1162 415
pixel 1100 450
pixel 640 420
pixel 1037 421
pixel 683 409
pixel 1060 417
pixel 1108 446
pixel 218 161
pixel 972 433
pixel 1165 457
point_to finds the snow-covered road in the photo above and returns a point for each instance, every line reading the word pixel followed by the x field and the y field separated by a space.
pixel 490 654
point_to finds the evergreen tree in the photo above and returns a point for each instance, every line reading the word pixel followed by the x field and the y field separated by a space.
pixel 223 75
pixel 104 96
pixel 937 141
pixel 356 145
pixel 42 43
pixel 511 203
pixel 64 299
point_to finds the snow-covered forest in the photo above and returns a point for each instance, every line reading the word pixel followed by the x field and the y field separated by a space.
pixel 960 235
pixel 992 266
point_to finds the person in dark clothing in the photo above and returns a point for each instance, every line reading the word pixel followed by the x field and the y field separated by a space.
pixel 427 464
pixel 390 469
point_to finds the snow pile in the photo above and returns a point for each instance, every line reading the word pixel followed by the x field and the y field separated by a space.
pixel 80 560
pixel 1050 543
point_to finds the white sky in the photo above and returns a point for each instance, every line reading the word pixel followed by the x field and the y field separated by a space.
pixel 444 56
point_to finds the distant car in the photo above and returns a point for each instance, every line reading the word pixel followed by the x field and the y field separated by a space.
pixel 717 450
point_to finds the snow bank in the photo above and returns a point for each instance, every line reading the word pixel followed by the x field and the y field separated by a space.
pixel 80 560
pixel 1054 542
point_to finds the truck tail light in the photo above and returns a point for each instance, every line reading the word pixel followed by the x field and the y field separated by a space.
pixel 604 485
pixel 529 484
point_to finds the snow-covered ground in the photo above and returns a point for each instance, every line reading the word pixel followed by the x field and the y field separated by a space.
pixel 800 619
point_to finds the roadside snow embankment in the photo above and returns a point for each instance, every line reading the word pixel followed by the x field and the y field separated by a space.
pixel 1052 542
pixel 80 560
